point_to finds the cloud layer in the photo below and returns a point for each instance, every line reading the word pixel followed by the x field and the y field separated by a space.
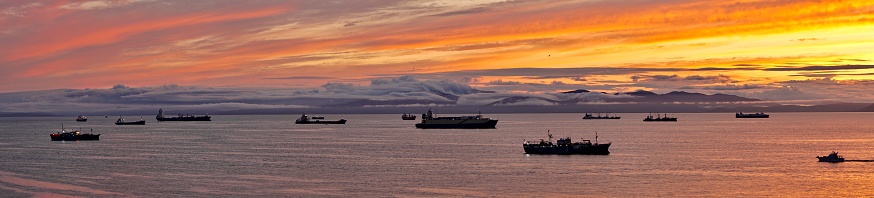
pixel 384 94
pixel 745 47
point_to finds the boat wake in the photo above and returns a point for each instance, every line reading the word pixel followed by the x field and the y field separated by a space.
pixel 859 160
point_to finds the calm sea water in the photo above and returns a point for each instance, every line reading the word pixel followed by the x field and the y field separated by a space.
pixel 382 155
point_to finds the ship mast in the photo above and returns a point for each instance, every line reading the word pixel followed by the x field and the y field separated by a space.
pixel 550 135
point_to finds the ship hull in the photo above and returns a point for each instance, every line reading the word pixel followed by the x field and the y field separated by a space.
pixel 201 118
pixel 489 124
pixel 321 122
pixel 142 122
pixel 601 118
pixel 832 160
pixel 752 116
pixel 660 120
pixel 75 137
pixel 599 149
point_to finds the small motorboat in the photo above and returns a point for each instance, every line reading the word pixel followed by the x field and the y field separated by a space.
pixel 408 117
pixel 833 157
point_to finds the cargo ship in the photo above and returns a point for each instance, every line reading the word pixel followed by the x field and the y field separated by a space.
pixel 121 121
pixel 180 117
pixel 751 115
pixel 304 119
pixel 659 118
pixel 461 122
pixel 589 116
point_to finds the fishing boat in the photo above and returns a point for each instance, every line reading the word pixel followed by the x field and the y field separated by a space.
pixel 566 147
pixel 81 119
pixel 73 135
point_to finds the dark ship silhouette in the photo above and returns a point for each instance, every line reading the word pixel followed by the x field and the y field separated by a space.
pixel 564 146
pixel 408 117
pixel 659 118
pixel 180 117
pixel 304 119
pixel 589 116
pixel 461 122
pixel 121 121
pixel 751 115
pixel 833 157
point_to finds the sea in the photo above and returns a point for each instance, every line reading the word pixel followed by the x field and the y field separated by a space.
pixel 380 155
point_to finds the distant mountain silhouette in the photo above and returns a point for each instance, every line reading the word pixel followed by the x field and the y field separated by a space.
pixel 520 99
pixel 16 114
pixel 639 96
pixel 679 96
pixel 640 93
pixel 404 96
pixel 576 91
pixel 869 108
pixel 837 107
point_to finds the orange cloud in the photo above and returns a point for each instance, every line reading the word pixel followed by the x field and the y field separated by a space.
pixel 229 45
pixel 115 34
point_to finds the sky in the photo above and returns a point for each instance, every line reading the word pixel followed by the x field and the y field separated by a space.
pixel 781 50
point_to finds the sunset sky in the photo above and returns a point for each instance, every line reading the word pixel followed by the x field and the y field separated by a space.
pixel 755 48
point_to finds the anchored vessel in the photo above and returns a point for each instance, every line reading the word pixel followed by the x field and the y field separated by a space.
pixel 121 121
pixel 462 122
pixel 751 115
pixel 659 118
pixel 833 157
pixel 589 116
pixel 180 117
pixel 81 119
pixel 408 117
pixel 304 119
pixel 565 146
pixel 73 135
